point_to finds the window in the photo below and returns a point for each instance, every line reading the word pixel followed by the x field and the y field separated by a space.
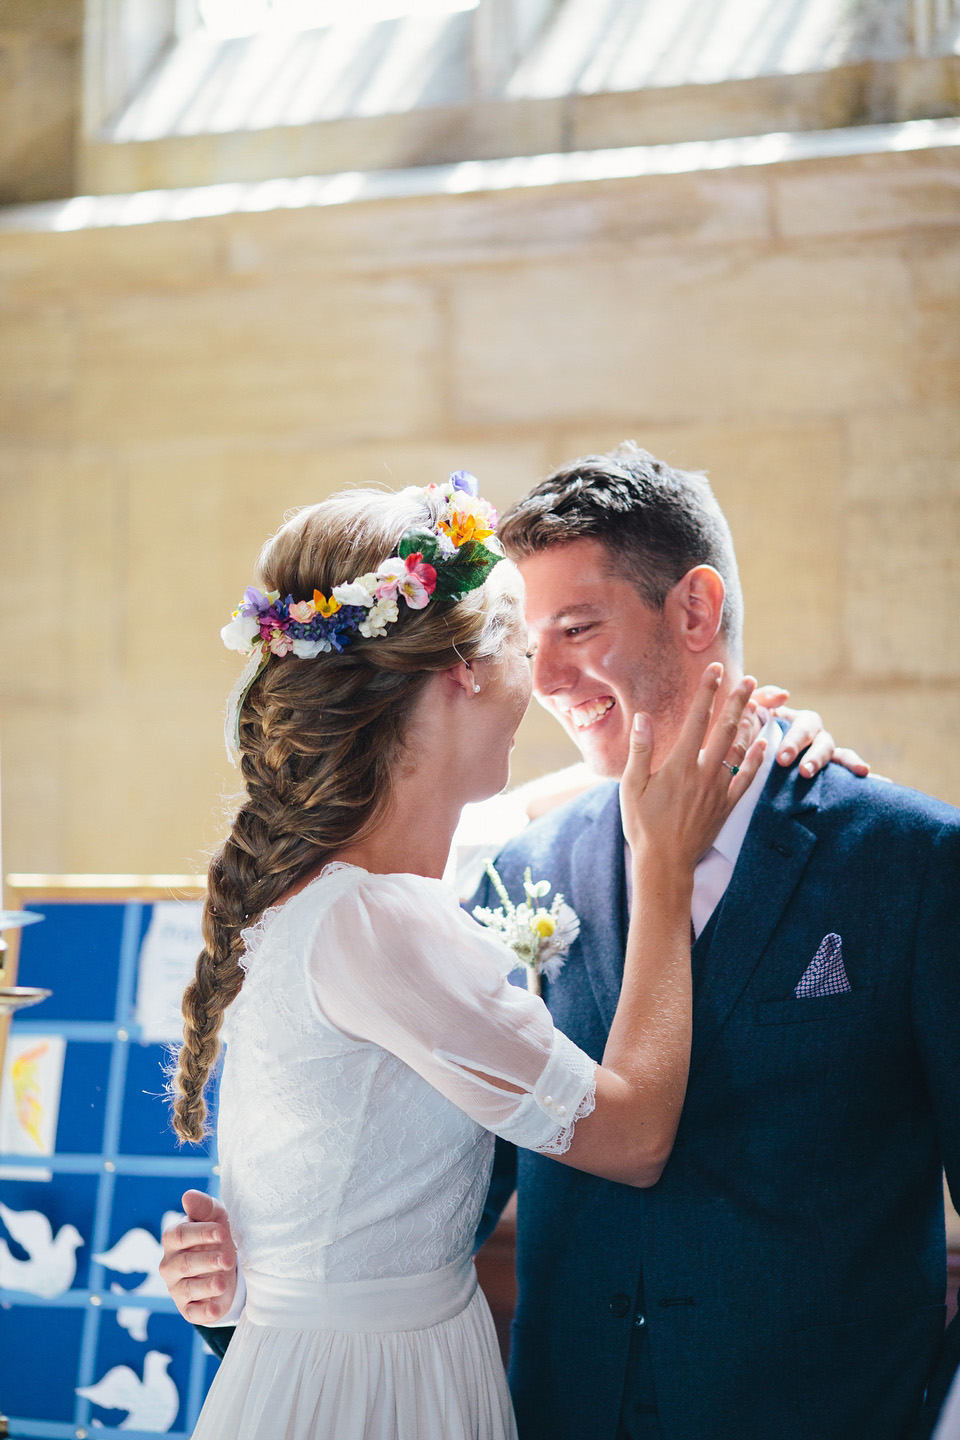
pixel 249 17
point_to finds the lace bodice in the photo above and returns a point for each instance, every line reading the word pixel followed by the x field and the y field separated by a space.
pixel 356 1136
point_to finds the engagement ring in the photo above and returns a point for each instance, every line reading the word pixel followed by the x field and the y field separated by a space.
pixel 734 769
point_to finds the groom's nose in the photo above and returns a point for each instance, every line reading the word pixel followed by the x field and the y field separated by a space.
pixel 552 671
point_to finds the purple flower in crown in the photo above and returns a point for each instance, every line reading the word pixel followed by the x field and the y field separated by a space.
pixel 256 603
pixel 271 620
pixel 463 480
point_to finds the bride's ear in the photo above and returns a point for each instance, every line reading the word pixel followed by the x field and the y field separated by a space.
pixel 463 677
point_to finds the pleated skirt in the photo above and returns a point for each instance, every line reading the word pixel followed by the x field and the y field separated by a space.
pixel 409 1359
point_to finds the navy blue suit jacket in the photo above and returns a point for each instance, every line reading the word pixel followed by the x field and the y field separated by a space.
pixel 792 1254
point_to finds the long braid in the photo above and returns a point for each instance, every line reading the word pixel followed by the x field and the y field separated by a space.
pixel 319 743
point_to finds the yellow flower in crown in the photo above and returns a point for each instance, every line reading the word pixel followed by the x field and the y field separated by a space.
pixel 462 528
pixel 323 606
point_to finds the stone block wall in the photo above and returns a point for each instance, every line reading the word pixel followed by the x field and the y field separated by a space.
pixel 168 391
pixel 40 88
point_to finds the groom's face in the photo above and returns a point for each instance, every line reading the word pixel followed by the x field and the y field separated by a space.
pixel 600 653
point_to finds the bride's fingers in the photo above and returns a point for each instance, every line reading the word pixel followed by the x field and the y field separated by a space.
pixel 771 696
pixel 636 774
pixel 637 771
pixel 696 722
pixel 741 782
pixel 724 734
pixel 747 732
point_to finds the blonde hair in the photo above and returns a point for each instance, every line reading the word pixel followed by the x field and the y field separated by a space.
pixel 320 741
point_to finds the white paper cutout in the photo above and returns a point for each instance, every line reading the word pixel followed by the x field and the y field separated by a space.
pixel 30 1100
pixel 153 1402
pixel 168 957
pixel 52 1265
pixel 137 1253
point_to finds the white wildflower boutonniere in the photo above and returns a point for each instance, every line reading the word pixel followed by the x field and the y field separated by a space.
pixel 540 938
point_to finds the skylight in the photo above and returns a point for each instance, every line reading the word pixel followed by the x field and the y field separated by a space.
pixel 226 18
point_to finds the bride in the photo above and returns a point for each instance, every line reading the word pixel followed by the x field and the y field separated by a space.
pixel 374 1043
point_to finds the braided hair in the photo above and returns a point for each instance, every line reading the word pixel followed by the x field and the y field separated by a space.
pixel 320 740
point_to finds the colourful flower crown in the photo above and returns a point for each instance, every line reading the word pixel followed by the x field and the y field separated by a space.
pixel 444 562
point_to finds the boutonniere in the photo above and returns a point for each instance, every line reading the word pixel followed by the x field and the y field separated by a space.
pixel 540 938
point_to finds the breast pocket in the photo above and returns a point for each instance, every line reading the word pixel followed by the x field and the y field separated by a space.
pixel 824 1008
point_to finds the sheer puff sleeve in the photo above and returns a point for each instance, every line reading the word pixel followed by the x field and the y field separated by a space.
pixel 395 962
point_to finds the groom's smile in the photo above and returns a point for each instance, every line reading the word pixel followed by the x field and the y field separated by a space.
pixel 591 712
pixel 600 653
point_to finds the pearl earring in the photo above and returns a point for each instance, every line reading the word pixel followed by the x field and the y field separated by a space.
pixel 476 688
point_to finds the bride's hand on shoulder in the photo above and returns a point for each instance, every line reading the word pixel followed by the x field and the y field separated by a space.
pixel 807 733
pixel 677 812
pixel 199 1265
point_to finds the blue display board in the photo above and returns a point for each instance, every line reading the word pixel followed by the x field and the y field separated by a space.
pixel 107 1350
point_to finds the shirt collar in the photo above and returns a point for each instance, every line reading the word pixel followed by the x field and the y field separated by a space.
pixel 731 837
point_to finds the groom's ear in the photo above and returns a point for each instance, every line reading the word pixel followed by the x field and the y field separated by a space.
pixel 695 604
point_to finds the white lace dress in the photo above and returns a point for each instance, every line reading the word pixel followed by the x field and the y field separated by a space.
pixel 356 1144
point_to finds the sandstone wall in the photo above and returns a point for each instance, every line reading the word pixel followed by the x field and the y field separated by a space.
pixel 167 391
pixel 40 84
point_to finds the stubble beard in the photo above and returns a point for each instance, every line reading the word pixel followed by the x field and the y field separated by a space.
pixel 661 691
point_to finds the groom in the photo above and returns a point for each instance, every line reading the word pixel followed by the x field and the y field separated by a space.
pixel 784 1280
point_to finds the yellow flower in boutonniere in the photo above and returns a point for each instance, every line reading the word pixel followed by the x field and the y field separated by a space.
pixel 539 938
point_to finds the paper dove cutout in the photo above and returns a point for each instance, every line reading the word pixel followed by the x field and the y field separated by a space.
pixel 52 1265
pixel 136 1253
pixel 153 1402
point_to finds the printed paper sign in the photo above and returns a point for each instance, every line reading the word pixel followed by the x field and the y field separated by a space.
pixel 30 1098
pixel 168 958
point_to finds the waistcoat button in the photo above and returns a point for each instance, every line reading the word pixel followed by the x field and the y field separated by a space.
pixel 619 1305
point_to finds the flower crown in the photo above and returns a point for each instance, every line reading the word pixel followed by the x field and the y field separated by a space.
pixel 444 562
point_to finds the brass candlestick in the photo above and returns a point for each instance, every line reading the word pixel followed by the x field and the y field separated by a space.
pixel 18 997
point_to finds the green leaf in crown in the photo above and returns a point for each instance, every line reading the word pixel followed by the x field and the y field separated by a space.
pixel 467 571
pixel 421 541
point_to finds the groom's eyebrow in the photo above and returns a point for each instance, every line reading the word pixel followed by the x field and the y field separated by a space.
pixel 574 612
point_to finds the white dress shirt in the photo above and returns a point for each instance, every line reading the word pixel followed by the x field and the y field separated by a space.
pixel 712 875
pixel 948 1426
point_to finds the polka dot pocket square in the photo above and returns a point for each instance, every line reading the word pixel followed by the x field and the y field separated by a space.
pixel 825 975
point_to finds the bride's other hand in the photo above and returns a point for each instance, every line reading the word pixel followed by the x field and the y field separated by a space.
pixel 681 808
pixel 806 732
pixel 199 1265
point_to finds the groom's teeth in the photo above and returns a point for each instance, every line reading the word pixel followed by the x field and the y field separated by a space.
pixel 590 713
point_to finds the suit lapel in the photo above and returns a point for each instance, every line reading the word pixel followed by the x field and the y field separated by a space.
pixel 775 852
pixel 598 894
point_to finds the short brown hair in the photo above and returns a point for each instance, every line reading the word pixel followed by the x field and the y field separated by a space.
pixel 655 522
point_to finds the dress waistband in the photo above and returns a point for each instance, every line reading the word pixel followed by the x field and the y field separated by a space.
pixel 406 1302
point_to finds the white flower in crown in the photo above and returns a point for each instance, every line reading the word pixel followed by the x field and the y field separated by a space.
pixel 539 938
pixel 307 649
pixel 358 592
pixel 240 633
pixel 379 616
